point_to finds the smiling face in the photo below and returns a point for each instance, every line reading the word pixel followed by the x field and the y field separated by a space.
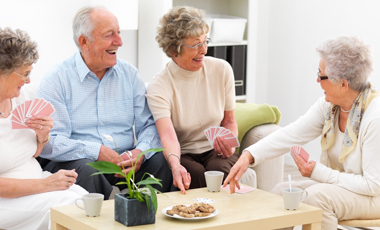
pixel 100 53
pixel 10 85
pixel 333 93
pixel 192 58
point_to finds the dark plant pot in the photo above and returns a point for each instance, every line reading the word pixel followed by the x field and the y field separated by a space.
pixel 131 212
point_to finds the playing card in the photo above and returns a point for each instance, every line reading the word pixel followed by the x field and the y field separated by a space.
pixel 204 200
pixel 242 189
pixel 301 151
pixel 28 109
pixel 304 154
pixel 233 142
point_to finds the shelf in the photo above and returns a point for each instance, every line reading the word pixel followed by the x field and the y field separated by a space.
pixel 241 98
pixel 212 44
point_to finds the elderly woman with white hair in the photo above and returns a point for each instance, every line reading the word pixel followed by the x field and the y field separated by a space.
pixel 26 192
pixel 345 184
pixel 192 93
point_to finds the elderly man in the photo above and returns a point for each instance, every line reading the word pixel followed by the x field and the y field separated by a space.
pixel 95 94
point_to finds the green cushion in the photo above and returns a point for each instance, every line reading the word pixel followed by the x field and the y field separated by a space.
pixel 249 115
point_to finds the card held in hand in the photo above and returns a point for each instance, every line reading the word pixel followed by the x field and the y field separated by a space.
pixel 28 109
pixel 213 132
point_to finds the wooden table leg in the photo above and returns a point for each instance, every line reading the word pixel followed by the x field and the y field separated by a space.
pixel 312 226
pixel 56 226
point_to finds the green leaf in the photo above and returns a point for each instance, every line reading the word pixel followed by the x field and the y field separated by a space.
pixel 147 201
pixel 153 196
pixel 149 180
pixel 105 167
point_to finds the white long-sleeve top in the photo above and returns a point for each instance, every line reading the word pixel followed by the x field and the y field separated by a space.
pixel 361 167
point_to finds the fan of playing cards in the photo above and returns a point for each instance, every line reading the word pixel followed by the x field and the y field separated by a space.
pixel 28 109
pixel 226 134
pixel 299 150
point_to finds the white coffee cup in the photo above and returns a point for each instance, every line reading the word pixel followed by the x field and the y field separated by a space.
pixel 214 180
pixel 92 203
pixel 293 199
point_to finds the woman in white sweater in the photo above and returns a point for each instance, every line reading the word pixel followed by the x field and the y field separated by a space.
pixel 345 184
pixel 26 192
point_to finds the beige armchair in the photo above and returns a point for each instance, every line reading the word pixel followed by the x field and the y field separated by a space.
pixel 270 172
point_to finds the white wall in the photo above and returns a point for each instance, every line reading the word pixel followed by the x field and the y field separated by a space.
pixel 48 22
pixel 288 33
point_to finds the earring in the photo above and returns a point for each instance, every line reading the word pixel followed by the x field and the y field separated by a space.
pixel 176 55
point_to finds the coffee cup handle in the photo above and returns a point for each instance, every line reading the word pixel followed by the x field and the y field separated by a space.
pixel 306 194
pixel 78 204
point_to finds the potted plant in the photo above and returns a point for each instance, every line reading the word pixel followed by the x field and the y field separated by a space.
pixel 136 207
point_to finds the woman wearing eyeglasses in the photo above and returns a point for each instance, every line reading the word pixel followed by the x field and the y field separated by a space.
pixel 345 184
pixel 26 192
pixel 192 93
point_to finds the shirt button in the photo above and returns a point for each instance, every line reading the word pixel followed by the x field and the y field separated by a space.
pixel 101 123
pixel 100 103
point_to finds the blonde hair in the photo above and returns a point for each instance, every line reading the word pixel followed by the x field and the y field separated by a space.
pixel 179 23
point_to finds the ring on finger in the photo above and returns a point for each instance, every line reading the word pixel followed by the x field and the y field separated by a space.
pixel 41 127
pixel 220 154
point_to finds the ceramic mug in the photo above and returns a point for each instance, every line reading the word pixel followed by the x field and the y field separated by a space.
pixel 293 199
pixel 92 203
pixel 214 180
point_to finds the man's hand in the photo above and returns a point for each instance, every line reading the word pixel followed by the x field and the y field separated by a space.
pixel 127 165
pixel 108 154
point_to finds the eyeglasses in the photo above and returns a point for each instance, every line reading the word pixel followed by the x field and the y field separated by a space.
pixel 26 77
pixel 321 78
pixel 200 45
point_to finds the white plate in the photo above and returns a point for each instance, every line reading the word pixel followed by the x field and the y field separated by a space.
pixel 187 218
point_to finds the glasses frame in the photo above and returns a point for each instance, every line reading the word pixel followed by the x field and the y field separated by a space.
pixel 200 45
pixel 23 77
pixel 321 78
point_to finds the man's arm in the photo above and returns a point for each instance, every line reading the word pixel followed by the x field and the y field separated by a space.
pixel 145 128
pixel 60 146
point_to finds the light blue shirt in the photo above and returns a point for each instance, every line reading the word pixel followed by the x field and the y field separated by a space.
pixel 86 108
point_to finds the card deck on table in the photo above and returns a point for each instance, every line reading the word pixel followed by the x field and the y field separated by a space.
pixel 213 132
pixel 28 109
pixel 204 200
pixel 299 150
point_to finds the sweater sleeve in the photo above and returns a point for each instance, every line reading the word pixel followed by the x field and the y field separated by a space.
pixel 306 128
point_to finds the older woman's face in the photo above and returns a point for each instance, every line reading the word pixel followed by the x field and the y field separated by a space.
pixel 192 58
pixel 10 85
pixel 333 93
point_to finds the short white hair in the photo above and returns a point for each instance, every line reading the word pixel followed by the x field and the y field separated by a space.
pixel 347 58
pixel 82 23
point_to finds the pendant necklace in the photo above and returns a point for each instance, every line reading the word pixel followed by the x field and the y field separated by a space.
pixel 3 113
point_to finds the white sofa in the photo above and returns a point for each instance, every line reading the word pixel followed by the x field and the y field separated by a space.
pixel 263 176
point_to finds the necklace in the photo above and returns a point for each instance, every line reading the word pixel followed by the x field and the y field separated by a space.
pixel 344 111
pixel 3 113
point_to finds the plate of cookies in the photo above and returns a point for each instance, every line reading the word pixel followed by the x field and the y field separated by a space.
pixel 196 211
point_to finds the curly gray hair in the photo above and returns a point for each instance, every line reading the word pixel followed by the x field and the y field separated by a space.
pixel 347 58
pixel 179 23
pixel 16 50
pixel 83 24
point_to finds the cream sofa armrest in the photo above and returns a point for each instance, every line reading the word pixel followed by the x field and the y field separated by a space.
pixel 270 172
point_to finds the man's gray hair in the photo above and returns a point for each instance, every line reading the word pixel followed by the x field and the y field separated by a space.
pixel 82 23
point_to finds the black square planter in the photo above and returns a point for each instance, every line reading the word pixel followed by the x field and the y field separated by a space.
pixel 131 212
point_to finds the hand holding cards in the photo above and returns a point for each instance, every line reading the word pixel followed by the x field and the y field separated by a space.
pixel 213 132
pixel 299 150
pixel 28 109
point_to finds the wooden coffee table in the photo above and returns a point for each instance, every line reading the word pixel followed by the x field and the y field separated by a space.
pixel 253 210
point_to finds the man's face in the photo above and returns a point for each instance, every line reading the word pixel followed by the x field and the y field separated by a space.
pixel 100 53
